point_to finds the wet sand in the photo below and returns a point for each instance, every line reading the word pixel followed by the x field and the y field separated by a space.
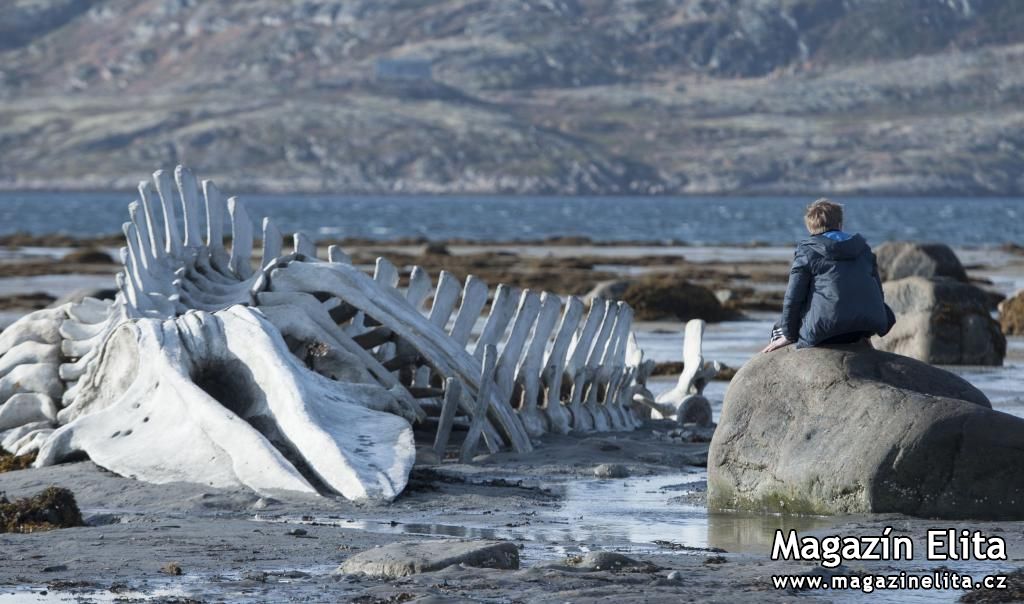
pixel 236 546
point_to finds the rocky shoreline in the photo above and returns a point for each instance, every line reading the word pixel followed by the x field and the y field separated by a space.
pixel 641 495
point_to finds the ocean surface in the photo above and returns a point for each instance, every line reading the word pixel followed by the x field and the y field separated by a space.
pixel 960 222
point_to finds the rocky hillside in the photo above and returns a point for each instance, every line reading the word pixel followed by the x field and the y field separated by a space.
pixel 537 96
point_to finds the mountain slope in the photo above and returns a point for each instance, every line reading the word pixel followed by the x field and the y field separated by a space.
pixel 555 96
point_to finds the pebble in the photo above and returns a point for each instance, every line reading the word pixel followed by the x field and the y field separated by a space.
pixel 675 576
pixel 611 470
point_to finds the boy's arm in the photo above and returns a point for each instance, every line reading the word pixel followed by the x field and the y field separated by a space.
pixel 874 273
pixel 796 296
pixel 890 316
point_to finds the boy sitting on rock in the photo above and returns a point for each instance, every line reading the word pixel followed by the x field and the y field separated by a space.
pixel 834 294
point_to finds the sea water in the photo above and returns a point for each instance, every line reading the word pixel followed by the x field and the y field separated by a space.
pixel 959 221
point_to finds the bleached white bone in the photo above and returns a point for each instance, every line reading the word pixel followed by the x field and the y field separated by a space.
pixel 502 308
pixel 696 373
pixel 486 381
pixel 558 415
pixel 25 408
pixel 528 372
pixel 26 353
pixel 355 451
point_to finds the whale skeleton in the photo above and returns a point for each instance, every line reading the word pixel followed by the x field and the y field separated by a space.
pixel 301 373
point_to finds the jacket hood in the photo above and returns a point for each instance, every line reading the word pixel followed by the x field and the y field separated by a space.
pixel 837 245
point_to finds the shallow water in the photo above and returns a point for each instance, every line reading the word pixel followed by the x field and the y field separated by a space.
pixel 43 595
pixel 630 514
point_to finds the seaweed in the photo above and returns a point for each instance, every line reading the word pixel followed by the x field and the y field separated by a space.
pixel 10 463
pixel 53 508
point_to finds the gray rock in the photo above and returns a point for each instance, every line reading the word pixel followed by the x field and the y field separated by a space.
pixel 696 459
pixel 695 409
pixel 601 560
pixel 410 558
pixel 849 429
pixel 611 470
pixel 901 259
pixel 942 321
pixel 101 519
pixel 696 433
pixel 675 576
pixel 87 256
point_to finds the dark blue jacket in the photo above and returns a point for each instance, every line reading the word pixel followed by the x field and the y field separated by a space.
pixel 833 291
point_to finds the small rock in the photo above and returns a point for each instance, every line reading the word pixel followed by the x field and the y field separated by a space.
pixel 693 433
pixel 696 459
pixel 56 568
pixel 171 568
pixel 602 560
pixel 606 561
pixel 409 558
pixel 715 560
pixel 102 520
pixel 611 470
pixel 725 374
pixel 668 368
pixel 292 574
pixel 694 409
pixel 427 456
pixel 89 255
pixel 436 248
pixel 675 576
pixel 297 532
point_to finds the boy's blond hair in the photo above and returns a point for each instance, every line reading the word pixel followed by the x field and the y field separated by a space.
pixel 822 216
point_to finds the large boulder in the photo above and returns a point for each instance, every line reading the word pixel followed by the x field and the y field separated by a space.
pixel 900 259
pixel 1011 315
pixel 669 296
pixel 942 321
pixel 849 429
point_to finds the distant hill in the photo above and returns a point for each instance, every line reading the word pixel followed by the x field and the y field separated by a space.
pixel 534 96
